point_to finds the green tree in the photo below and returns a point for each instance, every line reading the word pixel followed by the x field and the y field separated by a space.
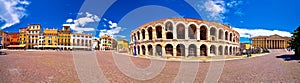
pixel 295 42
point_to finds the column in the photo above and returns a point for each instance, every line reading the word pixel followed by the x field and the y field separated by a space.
pixel 186 35
pixel 175 33
pixel 198 33
pixel 163 50
pixel 163 33
pixel 154 34
pixel 186 51
pixel 147 53
pixel 198 51
pixel 174 51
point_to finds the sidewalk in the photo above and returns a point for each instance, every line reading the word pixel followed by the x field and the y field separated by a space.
pixel 199 59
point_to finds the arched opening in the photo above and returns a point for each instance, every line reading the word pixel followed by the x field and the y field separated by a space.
pixel 134 36
pixel 213 33
pixel 150 33
pixel 213 50
pixel 169 35
pixel 158 31
pixel 226 50
pixel 234 50
pixel 203 51
pixel 180 49
pixel 138 51
pixel 143 50
pixel 234 37
pixel 230 37
pixel 226 35
pixel 180 31
pixel 169 49
pixel 192 50
pixel 221 34
pixel 150 49
pixel 143 34
pixel 192 31
pixel 138 35
pixel 158 50
pixel 169 26
pixel 230 50
pixel 203 33
pixel 220 50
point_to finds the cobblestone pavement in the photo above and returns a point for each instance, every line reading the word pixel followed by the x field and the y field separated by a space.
pixel 22 66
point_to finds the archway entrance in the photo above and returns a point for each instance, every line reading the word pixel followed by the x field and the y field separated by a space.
pixel 203 51
pixel 180 50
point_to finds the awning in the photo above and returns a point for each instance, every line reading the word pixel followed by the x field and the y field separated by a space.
pixel 45 46
pixel 16 46
pixel 50 46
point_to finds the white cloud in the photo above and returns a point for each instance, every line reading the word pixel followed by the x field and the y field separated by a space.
pixel 215 7
pixel 113 31
pixel 11 11
pixel 69 20
pixel 86 23
pixel 260 32
pixel 215 10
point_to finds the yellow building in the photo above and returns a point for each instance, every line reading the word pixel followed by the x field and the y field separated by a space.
pixel 33 32
pixel 64 37
pixel 51 38
pixel 271 42
pixel 23 36
pixel 123 46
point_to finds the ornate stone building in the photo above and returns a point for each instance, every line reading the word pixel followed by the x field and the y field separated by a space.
pixel 81 41
pixel 184 37
pixel 271 42
pixel 107 43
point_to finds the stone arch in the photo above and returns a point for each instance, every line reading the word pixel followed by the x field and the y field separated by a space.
pixel 213 50
pixel 143 33
pixel 150 33
pixel 180 28
pixel 221 32
pixel 213 33
pixel 203 33
pixel 143 50
pixel 169 26
pixel 138 35
pixel 234 50
pixel 150 49
pixel 192 31
pixel 226 50
pixel 138 49
pixel 158 31
pixel 169 35
pixel 230 37
pixel 180 49
pixel 220 50
pixel 203 50
pixel 169 49
pixel 192 50
pixel 158 50
pixel 226 35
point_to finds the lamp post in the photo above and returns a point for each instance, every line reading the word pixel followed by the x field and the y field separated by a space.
pixel 134 53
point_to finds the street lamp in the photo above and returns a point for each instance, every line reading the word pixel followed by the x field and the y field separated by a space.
pixel 250 42
pixel 134 53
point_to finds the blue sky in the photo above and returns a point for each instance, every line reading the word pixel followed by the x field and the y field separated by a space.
pixel 253 17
